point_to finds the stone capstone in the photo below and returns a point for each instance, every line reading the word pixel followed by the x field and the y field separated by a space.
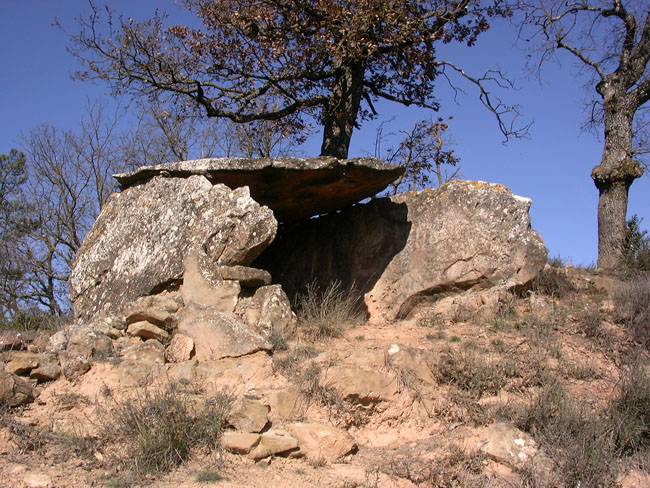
pixel 140 240
pixel 293 188
pixel 409 250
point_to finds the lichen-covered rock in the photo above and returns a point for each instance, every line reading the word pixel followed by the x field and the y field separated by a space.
pixel 293 188
pixel 12 340
pixel 268 310
pixel 248 415
pixel 146 330
pixel 413 249
pixel 143 234
pixel 274 442
pixel 239 442
pixel 14 391
pixel 180 348
pixel 198 290
pixel 506 444
pixel 246 276
pixel 218 335
pixel 86 342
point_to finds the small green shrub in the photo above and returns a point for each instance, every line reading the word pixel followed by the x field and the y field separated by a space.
pixel 324 313
pixel 636 247
pixel 552 282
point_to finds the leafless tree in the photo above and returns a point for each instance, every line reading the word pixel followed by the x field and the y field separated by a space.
pixel 14 225
pixel 424 153
pixel 610 39
pixel 162 135
pixel 327 60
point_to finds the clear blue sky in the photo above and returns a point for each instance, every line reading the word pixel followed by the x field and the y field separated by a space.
pixel 552 166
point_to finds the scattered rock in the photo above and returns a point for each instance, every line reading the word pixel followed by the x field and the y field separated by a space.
pixel 72 366
pixel 83 341
pixel 247 277
pixel 284 403
pixel 506 444
pixel 359 385
pixel 239 442
pixel 46 371
pixel 147 330
pixel 41 342
pixel 293 188
pixel 273 442
pixel 180 348
pixel 248 415
pixel 268 310
pixel 155 316
pixel 196 289
pixel 217 335
pixel 12 340
pixel 319 442
pixel 142 235
pixel 151 351
pixel 14 391
pixel 57 342
pixel 22 362
pixel 34 479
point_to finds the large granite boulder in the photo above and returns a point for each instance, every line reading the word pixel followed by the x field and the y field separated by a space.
pixel 293 188
pixel 139 243
pixel 414 248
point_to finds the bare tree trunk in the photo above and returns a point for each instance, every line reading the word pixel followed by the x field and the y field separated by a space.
pixel 340 116
pixel 613 177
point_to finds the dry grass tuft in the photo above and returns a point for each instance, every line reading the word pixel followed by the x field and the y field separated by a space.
pixel 552 282
pixel 632 300
pixel 325 313
pixel 159 428
pixel 473 372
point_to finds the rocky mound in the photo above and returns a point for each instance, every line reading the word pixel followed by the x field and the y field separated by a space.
pixel 293 188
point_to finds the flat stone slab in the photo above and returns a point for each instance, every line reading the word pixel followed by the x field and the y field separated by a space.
pixel 294 188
